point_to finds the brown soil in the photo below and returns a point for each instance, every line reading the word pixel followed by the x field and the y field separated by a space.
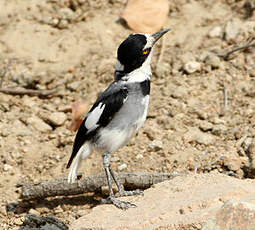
pixel 73 48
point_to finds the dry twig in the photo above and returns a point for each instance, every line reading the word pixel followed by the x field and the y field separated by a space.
pixel 60 187
pixel 31 92
pixel 226 55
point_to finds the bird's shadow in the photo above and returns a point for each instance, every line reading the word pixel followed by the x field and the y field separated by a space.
pixel 51 203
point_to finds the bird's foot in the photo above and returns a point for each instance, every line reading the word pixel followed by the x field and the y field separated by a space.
pixel 129 193
pixel 124 205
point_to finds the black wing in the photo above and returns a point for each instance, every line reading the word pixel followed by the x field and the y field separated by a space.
pixel 108 103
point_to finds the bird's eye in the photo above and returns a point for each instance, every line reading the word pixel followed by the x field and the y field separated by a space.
pixel 146 51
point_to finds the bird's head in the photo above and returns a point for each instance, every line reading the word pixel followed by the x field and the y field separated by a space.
pixel 136 51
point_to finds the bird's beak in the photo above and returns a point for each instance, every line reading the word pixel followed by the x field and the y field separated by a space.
pixel 159 34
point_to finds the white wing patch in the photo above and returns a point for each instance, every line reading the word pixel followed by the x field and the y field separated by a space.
pixel 94 116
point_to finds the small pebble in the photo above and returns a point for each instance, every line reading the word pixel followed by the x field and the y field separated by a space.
pixel 233 28
pixel 57 118
pixel 192 66
pixel 155 145
pixel 122 167
pixel 7 167
pixel 213 61
pixel 73 86
pixel 139 156
pixel 215 32
pixel 33 211
pixel 115 159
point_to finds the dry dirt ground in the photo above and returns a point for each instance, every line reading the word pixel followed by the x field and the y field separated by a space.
pixel 71 46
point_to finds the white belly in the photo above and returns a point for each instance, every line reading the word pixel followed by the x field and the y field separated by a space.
pixel 122 129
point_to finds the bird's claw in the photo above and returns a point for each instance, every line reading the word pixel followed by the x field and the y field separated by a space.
pixel 124 205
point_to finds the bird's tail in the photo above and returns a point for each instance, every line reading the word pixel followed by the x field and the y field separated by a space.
pixel 83 153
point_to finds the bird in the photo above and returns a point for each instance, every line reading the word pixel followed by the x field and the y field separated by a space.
pixel 119 112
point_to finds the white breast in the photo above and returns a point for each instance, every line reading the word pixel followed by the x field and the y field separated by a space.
pixel 142 119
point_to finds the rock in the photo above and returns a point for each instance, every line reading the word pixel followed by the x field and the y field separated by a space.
pixel 249 27
pixel 20 129
pixel 39 124
pixel 232 29
pixel 219 129
pixel 215 32
pixel 63 24
pixel 179 92
pixel 139 156
pixel 251 154
pixel 122 167
pixel 29 101
pixel 185 202
pixel 115 159
pixel 42 223
pixel 146 16
pixel 195 135
pixel 7 167
pixel 155 146
pixel 205 125
pixel 66 13
pixel 233 215
pixel 191 67
pixel 57 118
pixel 214 61
pixel 34 212
pixel 73 86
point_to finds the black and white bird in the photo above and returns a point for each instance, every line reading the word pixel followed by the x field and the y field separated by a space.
pixel 119 112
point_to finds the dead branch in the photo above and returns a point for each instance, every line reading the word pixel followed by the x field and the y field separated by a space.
pixel 31 92
pixel 60 187
pixel 226 55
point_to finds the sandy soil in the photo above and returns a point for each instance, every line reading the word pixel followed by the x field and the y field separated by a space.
pixel 47 45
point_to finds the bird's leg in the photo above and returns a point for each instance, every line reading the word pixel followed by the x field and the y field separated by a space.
pixel 112 199
pixel 122 192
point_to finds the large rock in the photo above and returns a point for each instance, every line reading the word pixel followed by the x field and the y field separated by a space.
pixel 39 124
pixel 184 203
pixel 233 216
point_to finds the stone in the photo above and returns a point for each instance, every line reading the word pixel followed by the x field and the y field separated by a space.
pixel 251 154
pixel 146 16
pixel 249 27
pixel 34 212
pixel 191 67
pixel 215 32
pixel 205 125
pixel 232 29
pixel 73 86
pixel 179 92
pixel 219 129
pixel 195 135
pixel 115 159
pixel 214 61
pixel 155 145
pixel 185 202
pixel 29 101
pixel 233 215
pixel 122 167
pixel 39 124
pixel 20 129
pixel 57 118
pixel 139 156
pixel 66 13
pixel 7 167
